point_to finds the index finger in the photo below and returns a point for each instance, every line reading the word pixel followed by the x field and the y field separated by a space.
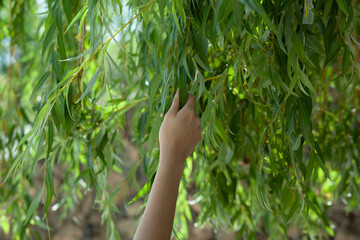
pixel 175 104
pixel 190 102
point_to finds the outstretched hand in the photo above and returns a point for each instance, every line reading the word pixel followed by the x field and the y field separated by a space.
pixel 180 131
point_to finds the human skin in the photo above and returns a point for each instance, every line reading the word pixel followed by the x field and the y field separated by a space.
pixel 179 134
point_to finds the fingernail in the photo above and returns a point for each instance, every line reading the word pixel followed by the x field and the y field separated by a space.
pixel 177 92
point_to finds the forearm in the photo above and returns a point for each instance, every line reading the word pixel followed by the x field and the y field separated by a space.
pixel 179 134
pixel 158 217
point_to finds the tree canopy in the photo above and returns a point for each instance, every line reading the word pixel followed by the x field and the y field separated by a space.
pixel 277 87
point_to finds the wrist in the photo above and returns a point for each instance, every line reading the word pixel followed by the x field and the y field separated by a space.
pixel 171 163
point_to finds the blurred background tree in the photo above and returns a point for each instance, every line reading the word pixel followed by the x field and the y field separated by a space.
pixel 277 84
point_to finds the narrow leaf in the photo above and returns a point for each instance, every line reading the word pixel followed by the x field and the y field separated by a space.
pixel 90 85
pixel 33 206
pixel 77 17
pixel 144 190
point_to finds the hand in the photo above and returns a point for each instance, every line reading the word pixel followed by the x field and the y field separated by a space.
pixel 180 131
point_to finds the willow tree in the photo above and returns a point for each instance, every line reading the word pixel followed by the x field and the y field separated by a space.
pixel 277 86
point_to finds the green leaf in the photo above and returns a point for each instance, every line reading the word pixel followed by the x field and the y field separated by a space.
pixel 91 84
pixel 154 87
pixel 176 18
pixel 108 29
pixel 144 190
pixel 293 82
pixel 89 158
pixel 39 84
pixel 296 144
pixel 308 16
pixel 239 14
pixel 81 175
pixel 154 133
pixel 29 134
pixel 58 19
pixel 117 66
pixel 200 50
pixel 300 51
pixel 343 6
pixel 76 57
pixel 14 165
pixel 259 9
pixel 305 123
pixel 305 80
pixel 56 66
pixel 50 139
pixel 33 206
pixel 41 118
pixel 322 165
pixel 67 5
pixel 203 64
pixel 5 224
pixel 179 7
pixel 316 209
pixel 345 60
pixel 48 38
pixel 261 141
pixel 222 188
pixel 49 183
pixel 310 167
pixel 40 153
pixel 285 4
pixel 162 5
pixel 262 196
pixel 183 90
pixel 202 85
pixel 327 9
pixel 82 12
pixel 205 116
pixel 333 51
pixel 293 209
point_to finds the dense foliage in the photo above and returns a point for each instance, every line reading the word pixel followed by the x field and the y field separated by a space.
pixel 277 84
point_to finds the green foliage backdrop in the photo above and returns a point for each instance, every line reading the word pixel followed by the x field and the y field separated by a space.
pixel 277 84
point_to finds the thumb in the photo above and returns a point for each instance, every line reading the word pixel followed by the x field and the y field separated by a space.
pixel 175 104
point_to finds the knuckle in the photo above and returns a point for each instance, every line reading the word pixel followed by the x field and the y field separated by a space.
pixel 167 116
pixel 190 112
